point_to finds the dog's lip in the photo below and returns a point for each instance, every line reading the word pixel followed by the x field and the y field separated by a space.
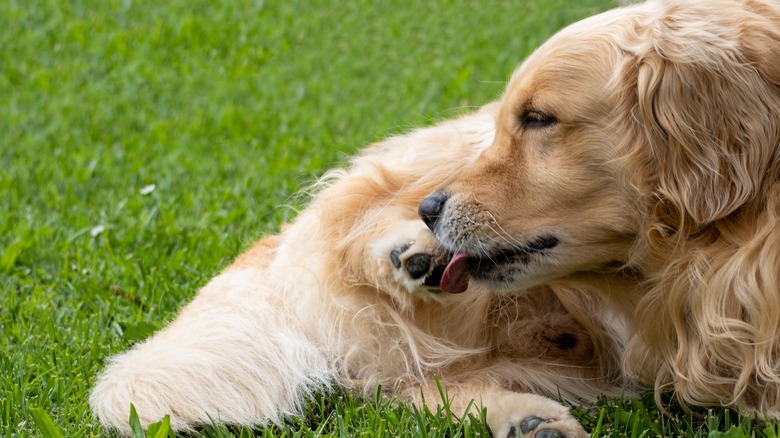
pixel 456 276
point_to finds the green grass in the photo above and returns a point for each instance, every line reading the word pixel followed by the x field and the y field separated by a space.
pixel 227 107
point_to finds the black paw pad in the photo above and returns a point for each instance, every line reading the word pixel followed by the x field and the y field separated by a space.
pixel 529 423
pixel 512 432
pixel 548 433
pixel 418 265
pixel 395 255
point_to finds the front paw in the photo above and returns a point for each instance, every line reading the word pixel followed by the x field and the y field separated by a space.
pixel 533 416
pixel 545 428
pixel 411 258
pixel 413 263
pixel 537 427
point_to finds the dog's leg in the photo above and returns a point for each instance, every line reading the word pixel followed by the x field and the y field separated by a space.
pixel 236 354
pixel 509 414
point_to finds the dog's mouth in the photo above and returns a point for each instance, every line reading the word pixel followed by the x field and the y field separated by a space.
pixel 433 280
pixel 462 266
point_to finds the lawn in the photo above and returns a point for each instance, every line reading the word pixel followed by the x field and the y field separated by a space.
pixel 144 144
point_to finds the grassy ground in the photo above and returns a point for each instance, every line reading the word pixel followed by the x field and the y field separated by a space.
pixel 143 144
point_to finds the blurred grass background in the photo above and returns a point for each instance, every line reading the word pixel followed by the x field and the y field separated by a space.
pixel 144 144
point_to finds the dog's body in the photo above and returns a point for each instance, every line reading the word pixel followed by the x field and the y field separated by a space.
pixel 633 176
pixel 638 153
pixel 340 298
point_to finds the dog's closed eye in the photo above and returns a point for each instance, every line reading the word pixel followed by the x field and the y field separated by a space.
pixel 534 119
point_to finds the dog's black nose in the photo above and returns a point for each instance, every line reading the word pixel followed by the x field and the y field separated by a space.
pixel 431 207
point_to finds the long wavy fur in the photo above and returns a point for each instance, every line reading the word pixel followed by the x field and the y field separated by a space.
pixel 705 82
pixel 646 140
pixel 319 305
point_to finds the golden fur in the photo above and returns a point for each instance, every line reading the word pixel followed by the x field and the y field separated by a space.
pixel 324 304
pixel 643 145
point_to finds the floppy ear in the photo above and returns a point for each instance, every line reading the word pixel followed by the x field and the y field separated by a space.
pixel 709 106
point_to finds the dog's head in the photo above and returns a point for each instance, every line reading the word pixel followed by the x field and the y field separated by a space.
pixel 641 123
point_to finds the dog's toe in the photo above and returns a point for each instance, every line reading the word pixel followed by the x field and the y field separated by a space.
pixel 395 255
pixel 418 265
pixel 529 423
pixel 548 433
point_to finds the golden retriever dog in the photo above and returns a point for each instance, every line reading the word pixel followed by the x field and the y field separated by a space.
pixel 348 294
pixel 637 153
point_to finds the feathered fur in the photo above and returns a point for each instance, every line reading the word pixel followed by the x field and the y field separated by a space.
pixel 657 169
pixel 323 304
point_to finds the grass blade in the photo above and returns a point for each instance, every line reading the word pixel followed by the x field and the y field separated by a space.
pixel 45 423
pixel 161 429
pixel 135 423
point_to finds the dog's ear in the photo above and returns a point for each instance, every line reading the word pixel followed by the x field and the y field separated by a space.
pixel 709 105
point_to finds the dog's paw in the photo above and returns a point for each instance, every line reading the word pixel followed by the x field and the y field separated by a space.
pixel 415 261
pixel 533 416
pixel 417 264
pixel 538 427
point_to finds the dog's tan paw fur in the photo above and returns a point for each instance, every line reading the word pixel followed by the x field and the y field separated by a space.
pixel 533 416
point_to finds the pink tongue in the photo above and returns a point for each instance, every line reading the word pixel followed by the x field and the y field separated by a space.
pixel 455 278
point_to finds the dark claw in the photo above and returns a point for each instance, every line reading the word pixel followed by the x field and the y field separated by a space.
pixel 512 432
pixel 418 265
pixel 548 433
pixel 395 255
pixel 529 423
